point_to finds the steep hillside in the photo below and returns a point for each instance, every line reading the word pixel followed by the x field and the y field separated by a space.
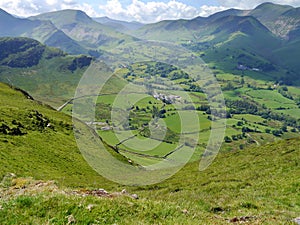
pixel 50 35
pixel 251 186
pixel 43 31
pixel 80 27
pixel 21 52
pixel 254 42
pixel 281 20
pixel 37 141
pixel 46 73
pixel 229 12
pixel 121 26
pixel 12 26
pixel 268 13
pixel 242 40
pixel 170 30
pixel 292 21
pixel 288 56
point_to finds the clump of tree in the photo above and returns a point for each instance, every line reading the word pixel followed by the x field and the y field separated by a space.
pixel 242 107
pixel 158 113
pixel 284 92
pixel 16 130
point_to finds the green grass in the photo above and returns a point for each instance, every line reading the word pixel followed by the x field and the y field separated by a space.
pixel 110 137
pixel 162 149
pixel 51 79
pixel 294 90
pixel 189 125
pixel 142 160
pixel 291 112
pixel 250 118
pixel 260 183
pixel 51 152
pixel 271 99
pixel 253 89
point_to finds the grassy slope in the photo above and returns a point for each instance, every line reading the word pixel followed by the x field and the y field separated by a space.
pixel 48 34
pixel 261 183
pixel 226 40
pixel 42 152
pixel 43 31
pixel 52 78
pixel 237 42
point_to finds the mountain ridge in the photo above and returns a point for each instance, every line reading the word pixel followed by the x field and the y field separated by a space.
pixel 37 68
pixel 82 28
pixel 118 25
pixel 269 29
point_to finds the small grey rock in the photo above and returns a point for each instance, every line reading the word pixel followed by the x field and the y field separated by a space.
pixel 297 220
pixel 135 196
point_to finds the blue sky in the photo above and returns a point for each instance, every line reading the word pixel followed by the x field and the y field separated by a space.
pixel 146 11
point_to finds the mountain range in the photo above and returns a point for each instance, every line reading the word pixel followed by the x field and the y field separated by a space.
pixel 261 38
pixel 253 54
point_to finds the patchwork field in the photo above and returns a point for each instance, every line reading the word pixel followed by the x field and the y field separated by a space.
pixel 146 128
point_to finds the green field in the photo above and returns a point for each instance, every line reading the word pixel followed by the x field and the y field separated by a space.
pixel 271 99
pixel 249 118
pixel 291 112
pixel 243 130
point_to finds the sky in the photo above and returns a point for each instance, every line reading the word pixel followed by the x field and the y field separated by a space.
pixel 145 11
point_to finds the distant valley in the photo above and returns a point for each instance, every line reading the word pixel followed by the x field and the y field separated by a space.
pixel 171 85
pixel 242 49
pixel 260 38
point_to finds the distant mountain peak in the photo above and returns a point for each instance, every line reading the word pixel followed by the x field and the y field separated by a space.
pixel 271 4
pixel 5 14
pixel 3 11
pixel 246 24
pixel 66 15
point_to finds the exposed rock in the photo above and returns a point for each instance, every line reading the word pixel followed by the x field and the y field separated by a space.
pixel 297 220
pixel 71 219
pixel 185 211
pixel 90 207
pixel 135 196
pixel 98 193
pixel 241 219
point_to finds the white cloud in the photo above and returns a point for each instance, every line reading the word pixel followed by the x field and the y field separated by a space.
pixel 25 8
pixel 51 2
pixel 137 10
pixel 209 10
pixel 155 11
pixel 246 4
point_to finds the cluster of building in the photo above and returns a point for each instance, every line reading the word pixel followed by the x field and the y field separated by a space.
pixel 166 98
pixel 243 67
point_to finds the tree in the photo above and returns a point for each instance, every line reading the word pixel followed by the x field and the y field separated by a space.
pixel 242 80
pixel 240 123
pixel 227 139
pixel 284 128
